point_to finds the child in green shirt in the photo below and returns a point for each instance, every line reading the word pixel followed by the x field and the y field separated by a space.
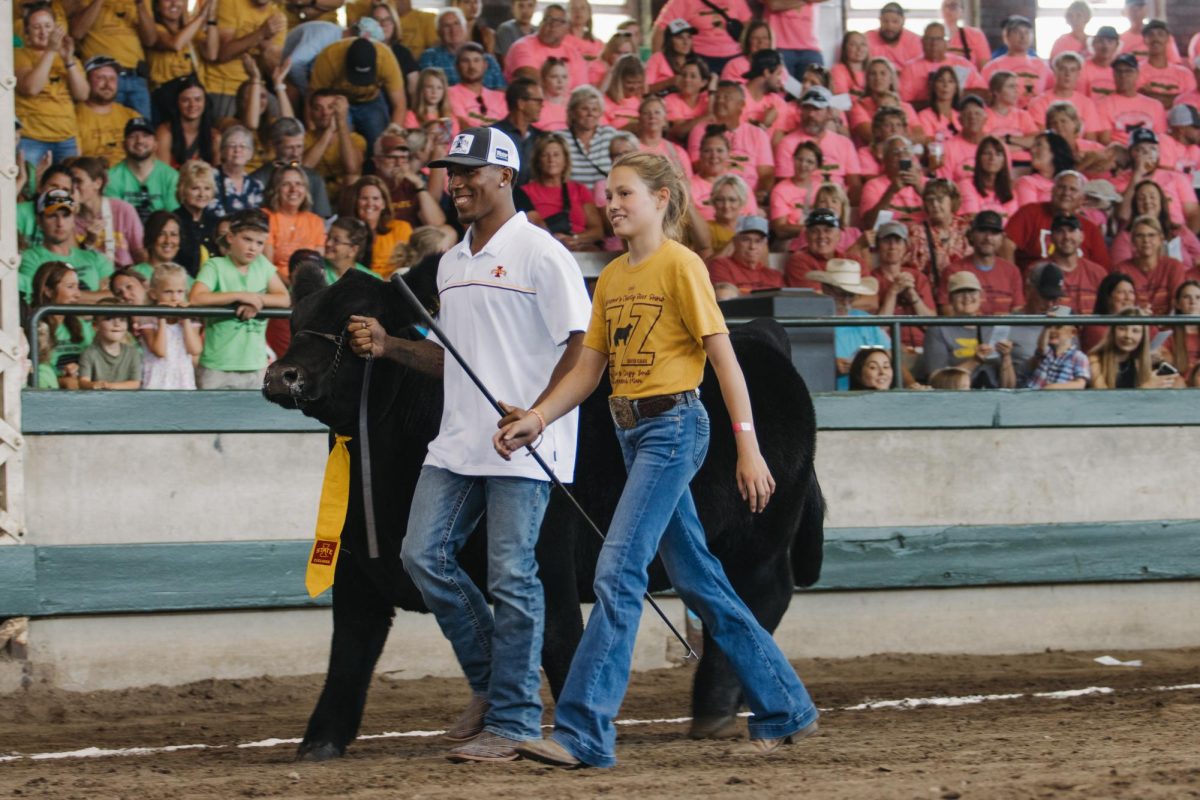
pixel 111 361
pixel 235 350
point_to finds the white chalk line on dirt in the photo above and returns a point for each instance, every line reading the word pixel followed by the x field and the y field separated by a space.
pixel 877 705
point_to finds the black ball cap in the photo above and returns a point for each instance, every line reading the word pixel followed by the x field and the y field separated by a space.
pixel 762 62
pixel 138 124
pixel 988 221
pixel 1125 60
pixel 1048 280
pixel 822 216
pixel 1069 221
pixel 360 62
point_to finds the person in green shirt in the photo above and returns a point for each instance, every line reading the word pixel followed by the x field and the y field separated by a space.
pixel 142 180
pixel 235 350
pixel 61 338
pixel 55 176
pixel 344 246
pixel 56 220
pixel 111 361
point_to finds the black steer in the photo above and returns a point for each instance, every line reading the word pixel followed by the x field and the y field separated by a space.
pixel 765 556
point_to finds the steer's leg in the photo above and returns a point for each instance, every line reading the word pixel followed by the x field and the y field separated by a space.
pixel 361 619
pixel 766 588
pixel 556 568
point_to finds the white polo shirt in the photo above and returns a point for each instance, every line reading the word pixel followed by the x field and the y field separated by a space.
pixel 509 310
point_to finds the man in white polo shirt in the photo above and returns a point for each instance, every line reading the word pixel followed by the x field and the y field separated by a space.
pixel 514 304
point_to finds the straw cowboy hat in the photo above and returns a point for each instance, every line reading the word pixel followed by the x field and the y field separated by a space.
pixel 845 274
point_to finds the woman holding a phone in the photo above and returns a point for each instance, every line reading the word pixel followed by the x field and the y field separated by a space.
pixel 1122 360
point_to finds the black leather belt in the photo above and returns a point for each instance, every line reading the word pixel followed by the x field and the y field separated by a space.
pixel 626 412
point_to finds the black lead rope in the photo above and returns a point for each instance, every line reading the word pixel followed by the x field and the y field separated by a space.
pixel 364 455
pixel 428 321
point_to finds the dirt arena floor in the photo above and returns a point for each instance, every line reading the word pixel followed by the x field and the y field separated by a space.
pixel 1136 734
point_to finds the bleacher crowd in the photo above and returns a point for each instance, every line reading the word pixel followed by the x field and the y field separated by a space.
pixel 175 155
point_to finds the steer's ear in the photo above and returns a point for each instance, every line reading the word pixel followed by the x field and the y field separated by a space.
pixel 307 279
pixel 422 280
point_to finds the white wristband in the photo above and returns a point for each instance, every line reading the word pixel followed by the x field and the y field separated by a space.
pixel 743 427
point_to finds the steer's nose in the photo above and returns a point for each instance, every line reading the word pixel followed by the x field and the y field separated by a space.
pixel 283 379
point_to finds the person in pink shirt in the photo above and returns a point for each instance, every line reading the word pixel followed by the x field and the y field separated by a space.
pixel 840 162
pixel 1160 78
pixel 794 24
pixel 1078 15
pixel 1180 149
pixel 940 120
pixel 711 19
pixel 1132 41
pixel 556 90
pixel 714 163
pixel 915 75
pixel 1005 119
pixel 888 122
pixel 792 199
pixel 765 103
pixel 1032 73
pixel 620 44
pixel 1126 108
pixel 1149 199
pixel 626 85
pixel 890 40
pixel 988 184
pixel 1182 207
pixel 1068 67
pixel 1096 80
pixel 898 190
pixel 849 74
pixel 472 103
pixel 882 89
pixel 689 104
pixel 663 66
pixel 958 157
pixel 528 53
pixel 652 128
pixel 579 32
pixel 1048 156
pixel 749 145
pixel 1092 158
pixel 756 36
pixel 970 43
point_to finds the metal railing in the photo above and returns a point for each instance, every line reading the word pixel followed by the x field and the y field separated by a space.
pixel 893 324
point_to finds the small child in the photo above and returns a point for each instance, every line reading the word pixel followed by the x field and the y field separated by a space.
pixel 130 288
pixel 1060 362
pixel 110 361
pixel 174 343
pixel 235 350
pixel 954 379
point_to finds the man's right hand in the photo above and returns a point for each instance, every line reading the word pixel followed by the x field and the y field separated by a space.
pixel 367 337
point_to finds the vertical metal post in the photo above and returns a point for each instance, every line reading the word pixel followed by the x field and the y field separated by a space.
pixel 12 371
pixel 897 357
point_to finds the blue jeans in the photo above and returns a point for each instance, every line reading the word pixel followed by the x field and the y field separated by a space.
pixel 133 91
pixel 797 61
pixel 656 513
pixel 371 118
pixel 500 655
pixel 34 149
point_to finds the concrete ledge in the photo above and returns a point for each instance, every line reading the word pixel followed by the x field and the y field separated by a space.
pixel 112 652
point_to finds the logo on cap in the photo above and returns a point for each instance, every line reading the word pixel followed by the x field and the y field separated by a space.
pixel 462 144
pixel 502 153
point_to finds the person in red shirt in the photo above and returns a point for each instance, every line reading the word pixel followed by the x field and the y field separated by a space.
pixel 1028 231
pixel 970 43
pixel 1161 78
pixel 904 291
pixel 1081 277
pixel 1097 77
pixel 1032 73
pixel 1155 276
pixel 823 232
pixel 890 40
pixel 1004 288
pixel 1126 108
pixel 747 268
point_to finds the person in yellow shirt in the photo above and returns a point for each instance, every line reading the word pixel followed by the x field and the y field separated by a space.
pixel 418 29
pixel 173 52
pixel 368 75
pixel 369 201
pixel 331 147
pixel 654 323
pixel 253 27
pixel 301 11
pixel 101 119
pixel 119 29
pixel 49 80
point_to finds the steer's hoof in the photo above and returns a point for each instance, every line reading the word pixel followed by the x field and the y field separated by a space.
pixel 716 728
pixel 318 751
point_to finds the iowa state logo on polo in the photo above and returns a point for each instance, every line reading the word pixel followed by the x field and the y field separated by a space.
pixel 499 272
pixel 323 552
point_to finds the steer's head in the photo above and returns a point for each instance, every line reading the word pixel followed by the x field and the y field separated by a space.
pixel 319 374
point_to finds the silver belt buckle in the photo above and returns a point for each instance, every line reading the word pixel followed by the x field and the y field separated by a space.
pixel 621 409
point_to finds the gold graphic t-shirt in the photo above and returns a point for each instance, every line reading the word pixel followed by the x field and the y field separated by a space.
pixel 651 321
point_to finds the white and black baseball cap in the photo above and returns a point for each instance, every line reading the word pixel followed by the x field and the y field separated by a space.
pixel 479 147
